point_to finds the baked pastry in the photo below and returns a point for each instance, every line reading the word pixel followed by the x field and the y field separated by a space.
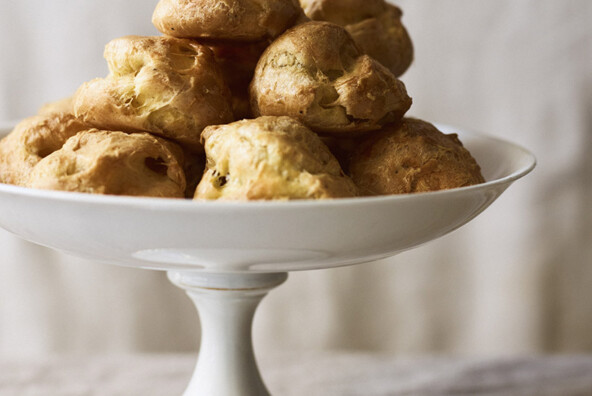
pixel 235 20
pixel 269 158
pixel 314 72
pixel 412 157
pixel 375 26
pixel 167 86
pixel 237 62
pixel 34 139
pixel 108 162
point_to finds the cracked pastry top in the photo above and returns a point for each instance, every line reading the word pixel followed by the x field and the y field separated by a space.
pixel 315 72
pixel 163 85
pixel 375 26
pixel 113 162
pixel 234 20
pixel 270 158
pixel 412 157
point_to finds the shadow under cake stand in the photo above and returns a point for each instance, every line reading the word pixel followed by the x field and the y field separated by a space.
pixel 227 256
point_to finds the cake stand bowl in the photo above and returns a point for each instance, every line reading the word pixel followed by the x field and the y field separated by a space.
pixel 228 255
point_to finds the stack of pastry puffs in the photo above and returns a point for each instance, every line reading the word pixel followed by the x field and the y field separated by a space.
pixel 245 100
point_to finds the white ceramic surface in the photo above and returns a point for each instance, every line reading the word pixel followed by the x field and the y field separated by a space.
pixel 226 305
pixel 172 234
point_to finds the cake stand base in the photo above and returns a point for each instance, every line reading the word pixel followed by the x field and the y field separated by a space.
pixel 226 304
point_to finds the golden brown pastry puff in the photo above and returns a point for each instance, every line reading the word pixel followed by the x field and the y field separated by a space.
pixel 108 162
pixel 375 26
pixel 235 20
pixel 33 139
pixel 163 85
pixel 314 72
pixel 412 157
pixel 269 158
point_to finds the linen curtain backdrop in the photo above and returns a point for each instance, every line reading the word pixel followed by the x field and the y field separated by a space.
pixel 517 280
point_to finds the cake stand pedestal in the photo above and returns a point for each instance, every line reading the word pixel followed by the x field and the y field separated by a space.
pixel 226 304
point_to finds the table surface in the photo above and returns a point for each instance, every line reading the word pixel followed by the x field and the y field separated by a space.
pixel 312 373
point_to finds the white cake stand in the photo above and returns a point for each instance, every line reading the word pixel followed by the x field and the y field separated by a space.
pixel 227 256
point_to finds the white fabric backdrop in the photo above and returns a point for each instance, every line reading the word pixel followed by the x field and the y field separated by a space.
pixel 518 279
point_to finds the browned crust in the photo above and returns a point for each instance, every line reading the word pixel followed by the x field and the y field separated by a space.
pixel 412 157
pixel 374 25
pixel 270 158
pixel 315 72
pixel 113 162
pixel 33 139
pixel 236 20
pixel 163 85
